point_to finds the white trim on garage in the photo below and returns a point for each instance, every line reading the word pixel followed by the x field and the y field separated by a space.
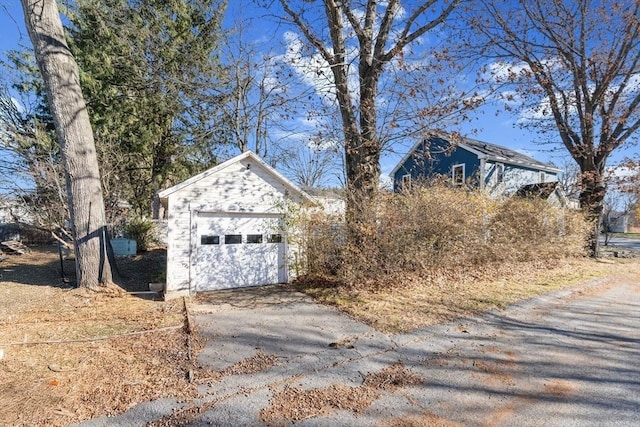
pixel 242 191
pixel 249 155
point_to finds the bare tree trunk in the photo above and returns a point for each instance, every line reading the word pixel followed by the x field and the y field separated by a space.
pixel 73 129
pixel 362 155
pixel 362 159
pixel 592 204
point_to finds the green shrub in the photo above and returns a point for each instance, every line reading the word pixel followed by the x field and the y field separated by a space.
pixel 140 230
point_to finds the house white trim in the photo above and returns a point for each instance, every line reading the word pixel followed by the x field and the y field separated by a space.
pixel 406 181
pixel 453 173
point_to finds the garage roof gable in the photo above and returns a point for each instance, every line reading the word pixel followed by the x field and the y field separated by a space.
pixel 294 189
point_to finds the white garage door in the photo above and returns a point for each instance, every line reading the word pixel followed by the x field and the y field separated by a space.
pixel 237 250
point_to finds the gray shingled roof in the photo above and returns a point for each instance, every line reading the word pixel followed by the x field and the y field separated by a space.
pixel 499 153
pixel 489 151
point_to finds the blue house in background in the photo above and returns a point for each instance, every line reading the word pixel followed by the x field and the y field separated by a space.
pixel 492 168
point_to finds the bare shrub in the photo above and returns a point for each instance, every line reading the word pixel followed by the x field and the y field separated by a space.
pixel 323 243
pixel 438 228
pixel 526 229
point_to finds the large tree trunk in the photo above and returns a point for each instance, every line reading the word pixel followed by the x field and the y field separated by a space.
pixel 73 129
pixel 362 158
pixel 592 204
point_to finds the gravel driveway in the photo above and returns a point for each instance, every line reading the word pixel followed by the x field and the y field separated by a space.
pixel 571 358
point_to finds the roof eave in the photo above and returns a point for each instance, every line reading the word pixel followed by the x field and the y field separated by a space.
pixel 164 194
pixel 528 165
pixel 406 157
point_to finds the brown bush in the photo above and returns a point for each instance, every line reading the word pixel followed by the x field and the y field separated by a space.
pixel 437 228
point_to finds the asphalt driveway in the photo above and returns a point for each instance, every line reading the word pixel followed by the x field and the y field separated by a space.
pixel 570 358
pixel 624 243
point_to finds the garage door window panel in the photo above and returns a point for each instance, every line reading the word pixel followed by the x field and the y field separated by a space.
pixel 254 238
pixel 232 239
pixel 209 240
pixel 274 238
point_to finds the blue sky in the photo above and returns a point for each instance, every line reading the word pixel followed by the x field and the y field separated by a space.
pixel 12 29
pixel 498 129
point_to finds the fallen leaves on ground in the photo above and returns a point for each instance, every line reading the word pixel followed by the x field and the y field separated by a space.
pixel 402 304
pixel 73 354
pixel 293 404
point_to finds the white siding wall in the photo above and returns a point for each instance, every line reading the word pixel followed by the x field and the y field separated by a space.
pixel 333 206
pixel 235 188
pixel 10 210
pixel 514 178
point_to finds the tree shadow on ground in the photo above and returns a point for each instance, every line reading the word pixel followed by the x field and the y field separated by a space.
pixel 561 360
pixel 44 266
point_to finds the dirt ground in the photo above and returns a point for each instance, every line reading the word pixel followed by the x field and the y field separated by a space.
pixel 70 355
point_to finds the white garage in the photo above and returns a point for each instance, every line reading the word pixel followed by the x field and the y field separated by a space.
pixel 226 227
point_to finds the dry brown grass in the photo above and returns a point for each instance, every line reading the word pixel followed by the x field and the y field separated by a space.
pixel 71 355
pixel 293 404
pixel 408 302
pixel 392 378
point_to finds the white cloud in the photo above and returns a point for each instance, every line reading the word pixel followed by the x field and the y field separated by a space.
pixel 359 14
pixel 533 108
pixel 511 98
pixel 314 71
pixel 21 109
pixel 623 172
pixel 541 111
pixel 631 89
pixel 504 72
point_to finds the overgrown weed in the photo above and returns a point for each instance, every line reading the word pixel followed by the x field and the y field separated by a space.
pixel 439 253
pixel 438 230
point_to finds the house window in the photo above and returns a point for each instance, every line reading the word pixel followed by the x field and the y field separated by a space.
pixel 254 238
pixel 406 182
pixel 499 173
pixel 457 174
pixel 274 238
pixel 542 176
pixel 209 240
pixel 232 239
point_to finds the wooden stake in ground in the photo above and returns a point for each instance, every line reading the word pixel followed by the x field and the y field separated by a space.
pixel 73 129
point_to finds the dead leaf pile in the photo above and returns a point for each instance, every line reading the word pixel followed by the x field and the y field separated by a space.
pixel 293 404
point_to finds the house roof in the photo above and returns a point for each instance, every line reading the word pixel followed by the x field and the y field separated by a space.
pixel 502 154
pixel 294 189
pixel 485 150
